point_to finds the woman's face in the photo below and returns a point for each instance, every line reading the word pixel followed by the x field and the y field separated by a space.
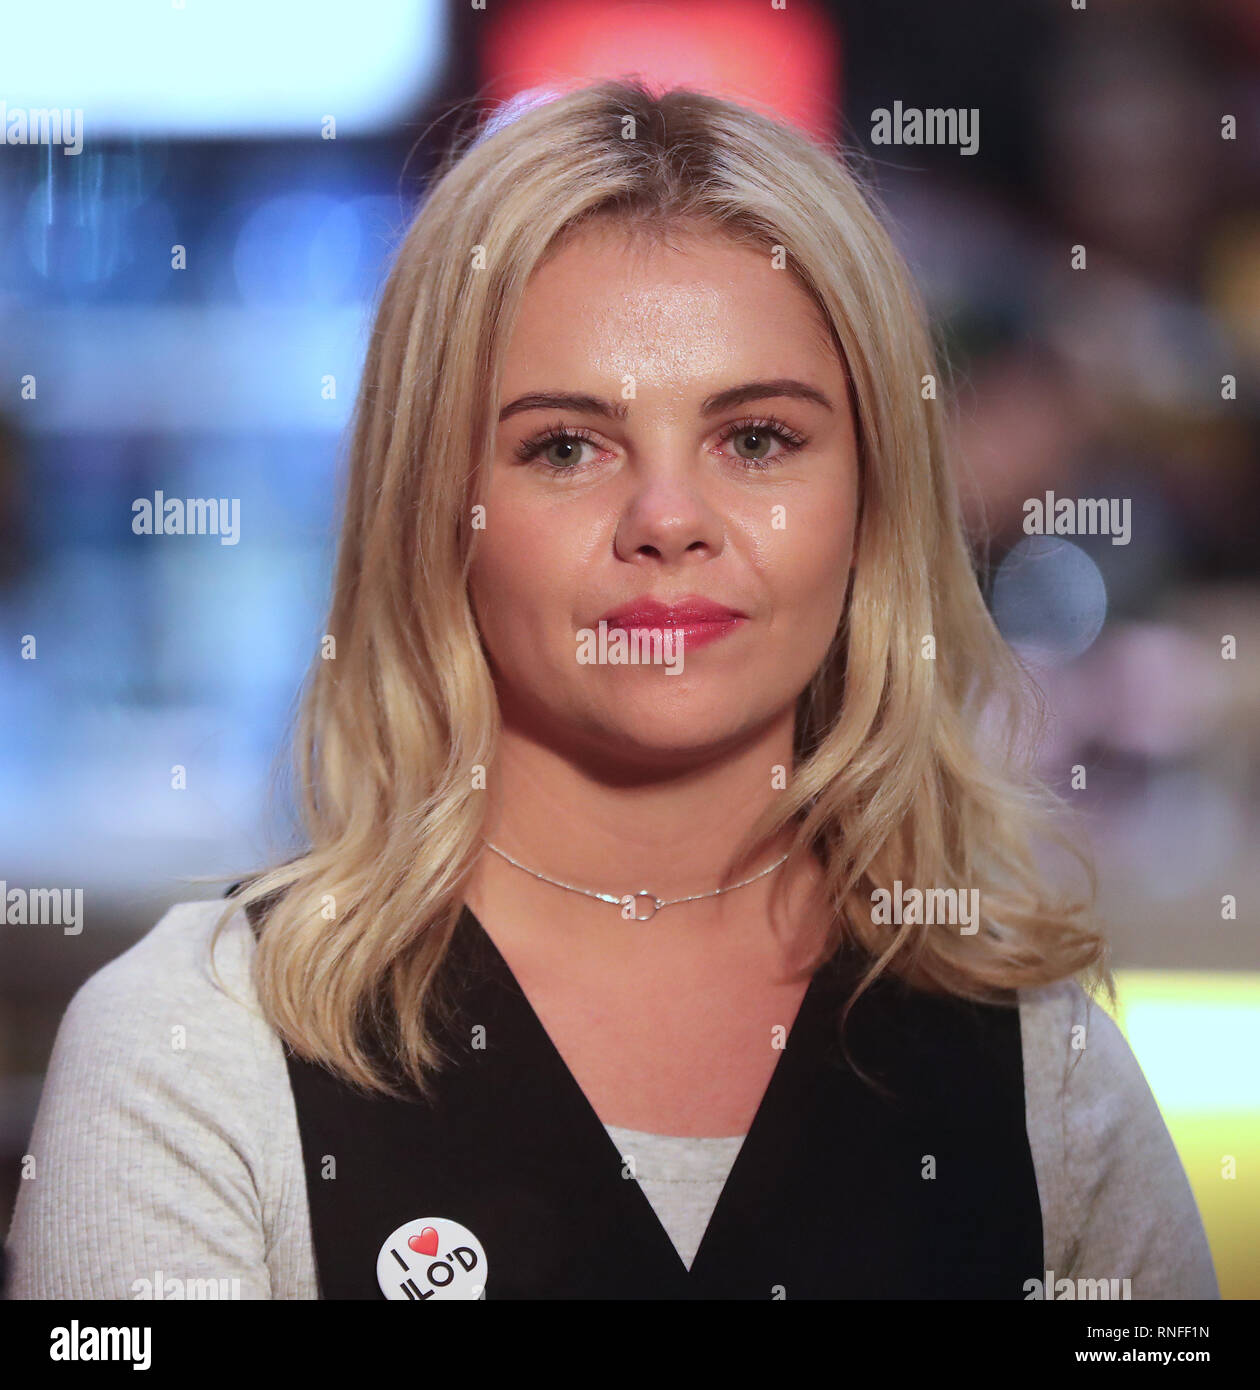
pixel 674 430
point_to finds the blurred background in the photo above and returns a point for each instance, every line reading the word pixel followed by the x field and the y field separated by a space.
pixel 183 309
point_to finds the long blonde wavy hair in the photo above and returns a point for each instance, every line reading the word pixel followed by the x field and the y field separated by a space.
pixel 906 767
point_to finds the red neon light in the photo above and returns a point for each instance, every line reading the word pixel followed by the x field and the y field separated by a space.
pixel 785 60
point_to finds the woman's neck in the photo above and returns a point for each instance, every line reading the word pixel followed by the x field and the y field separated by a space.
pixel 673 835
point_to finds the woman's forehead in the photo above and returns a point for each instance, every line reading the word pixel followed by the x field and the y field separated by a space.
pixel 700 310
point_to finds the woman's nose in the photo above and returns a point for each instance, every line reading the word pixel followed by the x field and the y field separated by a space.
pixel 668 519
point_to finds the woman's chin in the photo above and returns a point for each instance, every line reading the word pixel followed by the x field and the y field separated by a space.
pixel 651 730
pixel 664 737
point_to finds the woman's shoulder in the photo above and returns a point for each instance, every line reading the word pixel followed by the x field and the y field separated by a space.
pixel 165 1136
pixel 1075 1049
pixel 1080 1074
pixel 1056 1020
pixel 1116 1201
pixel 178 964
pixel 175 1014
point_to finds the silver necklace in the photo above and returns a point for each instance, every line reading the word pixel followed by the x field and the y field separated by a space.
pixel 642 899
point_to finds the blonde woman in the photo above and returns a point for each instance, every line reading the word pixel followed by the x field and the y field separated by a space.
pixel 668 927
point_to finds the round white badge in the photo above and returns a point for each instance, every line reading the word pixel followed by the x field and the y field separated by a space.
pixel 432 1257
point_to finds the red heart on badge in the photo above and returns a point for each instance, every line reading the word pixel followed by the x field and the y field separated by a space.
pixel 426 1243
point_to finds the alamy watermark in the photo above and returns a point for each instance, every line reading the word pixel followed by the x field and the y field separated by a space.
pixel 193 516
pixel 1079 516
pixel 27 125
pixel 43 907
pixel 1051 1288
pixel 633 646
pixel 951 907
pixel 85 1343
pixel 172 1287
pixel 938 125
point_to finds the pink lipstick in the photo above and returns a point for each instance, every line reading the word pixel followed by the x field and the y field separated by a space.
pixel 699 620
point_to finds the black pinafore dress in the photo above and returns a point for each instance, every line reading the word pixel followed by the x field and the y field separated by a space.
pixel 839 1190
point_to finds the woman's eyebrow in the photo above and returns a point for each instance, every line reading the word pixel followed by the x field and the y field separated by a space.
pixel 564 400
pixel 763 390
pixel 713 405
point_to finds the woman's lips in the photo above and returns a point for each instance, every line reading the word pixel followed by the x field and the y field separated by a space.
pixel 700 621
pixel 694 634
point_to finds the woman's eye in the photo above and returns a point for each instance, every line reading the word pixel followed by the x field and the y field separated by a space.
pixel 564 453
pixel 759 444
pixel 756 444
pixel 559 451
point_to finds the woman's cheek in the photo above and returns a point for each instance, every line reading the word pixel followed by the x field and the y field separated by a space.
pixel 806 571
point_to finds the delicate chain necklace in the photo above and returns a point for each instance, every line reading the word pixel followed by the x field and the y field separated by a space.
pixel 642 899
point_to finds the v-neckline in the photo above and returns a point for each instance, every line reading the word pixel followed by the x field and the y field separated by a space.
pixel 824 1199
pixel 754 1138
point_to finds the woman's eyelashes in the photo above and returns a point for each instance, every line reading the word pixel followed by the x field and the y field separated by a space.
pixel 565 440
pixel 763 433
pixel 758 443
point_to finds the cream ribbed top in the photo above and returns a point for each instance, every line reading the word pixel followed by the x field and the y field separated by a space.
pixel 186 1159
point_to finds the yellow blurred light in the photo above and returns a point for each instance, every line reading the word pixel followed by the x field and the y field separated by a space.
pixel 1196 1036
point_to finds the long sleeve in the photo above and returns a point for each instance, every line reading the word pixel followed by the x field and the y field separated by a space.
pixel 162 1147
pixel 1116 1202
